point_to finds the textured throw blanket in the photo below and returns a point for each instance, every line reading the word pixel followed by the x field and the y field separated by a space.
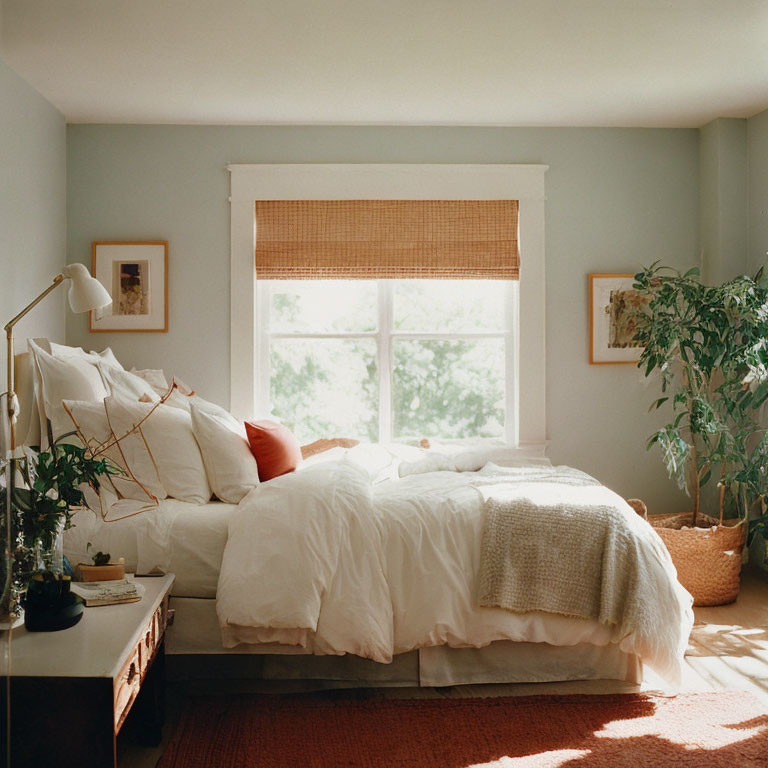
pixel 558 541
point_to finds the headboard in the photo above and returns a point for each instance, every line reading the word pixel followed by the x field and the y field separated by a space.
pixel 28 424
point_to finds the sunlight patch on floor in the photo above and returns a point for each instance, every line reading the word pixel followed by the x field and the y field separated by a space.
pixel 708 736
pixel 725 638
pixel 552 759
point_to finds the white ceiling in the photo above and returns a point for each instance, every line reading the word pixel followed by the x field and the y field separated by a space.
pixel 404 62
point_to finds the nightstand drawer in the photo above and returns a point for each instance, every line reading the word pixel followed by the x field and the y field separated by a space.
pixel 127 685
pixel 152 635
pixel 161 615
pixel 147 645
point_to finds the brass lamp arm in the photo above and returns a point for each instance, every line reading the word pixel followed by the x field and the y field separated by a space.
pixel 11 394
pixel 9 326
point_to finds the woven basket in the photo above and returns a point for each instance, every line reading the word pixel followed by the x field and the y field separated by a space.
pixel 708 560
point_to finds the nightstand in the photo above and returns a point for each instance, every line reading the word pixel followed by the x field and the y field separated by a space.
pixel 72 690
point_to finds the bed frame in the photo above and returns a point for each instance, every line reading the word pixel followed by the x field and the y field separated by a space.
pixel 195 634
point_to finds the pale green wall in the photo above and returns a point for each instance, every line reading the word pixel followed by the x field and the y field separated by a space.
pixel 733 158
pixel 32 208
pixel 757 153
pixel 724 199
pixel 616 199
pixel 32 220
pixel 757 147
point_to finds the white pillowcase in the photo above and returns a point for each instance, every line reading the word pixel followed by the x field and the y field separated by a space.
pixel 106 356
pixel 92 424
pixel 66 378
pixel 155 378
pixel 232 470
pixel 166 441
pixel 127 386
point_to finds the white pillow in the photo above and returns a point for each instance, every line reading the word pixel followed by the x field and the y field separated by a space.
pixel 106 356
pixel 231 468
pixel 127 386
pixel 140 481
pixel 155 379
pixel 68 378
pixel 165 438
pixel 179 399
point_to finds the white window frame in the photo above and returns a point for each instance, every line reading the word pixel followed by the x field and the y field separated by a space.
pixel 384 335
pixel 524 183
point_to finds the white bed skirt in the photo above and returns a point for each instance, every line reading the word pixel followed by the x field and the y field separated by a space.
pixel 195 630
pixel 508 662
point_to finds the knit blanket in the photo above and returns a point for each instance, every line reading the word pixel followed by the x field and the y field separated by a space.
pixel 558 541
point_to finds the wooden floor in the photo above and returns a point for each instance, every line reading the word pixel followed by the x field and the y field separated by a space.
pixel 728 650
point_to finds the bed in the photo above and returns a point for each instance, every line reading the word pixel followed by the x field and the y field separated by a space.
pixel 467 645
pixel 189 540
pixel 339 573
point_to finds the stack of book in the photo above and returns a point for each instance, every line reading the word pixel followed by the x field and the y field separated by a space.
pixel 107 592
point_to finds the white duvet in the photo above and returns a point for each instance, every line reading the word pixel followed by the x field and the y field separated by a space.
pixel 325 560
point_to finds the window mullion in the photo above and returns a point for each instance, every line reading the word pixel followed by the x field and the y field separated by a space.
pixel 262 352
pixel 512 365
pixel 384 348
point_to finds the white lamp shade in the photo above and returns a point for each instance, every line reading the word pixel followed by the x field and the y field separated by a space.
pixel 85 292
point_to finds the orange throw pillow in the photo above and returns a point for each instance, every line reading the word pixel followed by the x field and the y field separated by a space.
pixel 274 447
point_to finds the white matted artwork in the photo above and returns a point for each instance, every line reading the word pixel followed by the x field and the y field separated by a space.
pixel 136 276
pixel 613 309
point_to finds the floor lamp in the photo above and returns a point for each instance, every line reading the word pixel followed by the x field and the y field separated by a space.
pixel 85 293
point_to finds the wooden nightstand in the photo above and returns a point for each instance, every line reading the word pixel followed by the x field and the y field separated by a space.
pixel 72 690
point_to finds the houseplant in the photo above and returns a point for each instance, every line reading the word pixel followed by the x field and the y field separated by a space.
pixel 710 346
pixel 45 489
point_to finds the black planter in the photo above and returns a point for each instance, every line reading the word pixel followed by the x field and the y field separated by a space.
pixel 49 605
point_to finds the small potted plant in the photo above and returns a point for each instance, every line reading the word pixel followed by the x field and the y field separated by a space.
pixel 710 346
pixel 101 569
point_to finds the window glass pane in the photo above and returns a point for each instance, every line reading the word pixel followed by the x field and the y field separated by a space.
pixel 325 387
pixel 448 388
pixel 449 305
pixel 323 305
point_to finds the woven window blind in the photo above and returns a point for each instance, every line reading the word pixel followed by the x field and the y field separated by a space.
pixel 357 239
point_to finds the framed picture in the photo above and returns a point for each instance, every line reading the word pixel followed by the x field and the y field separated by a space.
pixel 613 309
pixel 136 276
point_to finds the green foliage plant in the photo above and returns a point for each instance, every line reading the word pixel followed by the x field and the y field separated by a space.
pixel 709 344
pixel 46 487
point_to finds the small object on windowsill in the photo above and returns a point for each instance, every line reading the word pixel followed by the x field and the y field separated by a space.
pixel 320 446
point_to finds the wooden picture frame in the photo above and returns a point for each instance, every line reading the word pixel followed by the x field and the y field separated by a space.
pixel 136 275
pixel 610 323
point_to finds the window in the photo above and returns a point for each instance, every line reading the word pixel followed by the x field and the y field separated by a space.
pixel 525 391
pixel 385 360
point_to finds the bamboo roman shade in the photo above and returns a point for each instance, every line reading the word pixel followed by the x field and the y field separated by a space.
pixel 356 239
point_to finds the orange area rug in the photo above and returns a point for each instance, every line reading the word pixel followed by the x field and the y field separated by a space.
pixel 703 730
